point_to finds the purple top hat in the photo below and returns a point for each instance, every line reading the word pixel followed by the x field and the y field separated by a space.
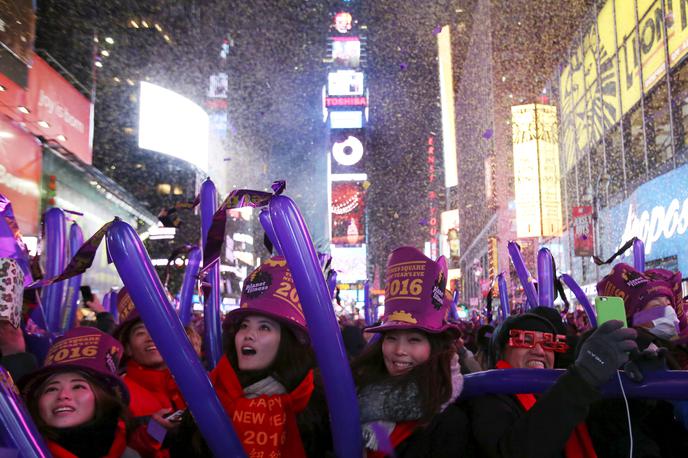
pixel 84 349
pixel 11 291
pixel 415 293
pixel 269 290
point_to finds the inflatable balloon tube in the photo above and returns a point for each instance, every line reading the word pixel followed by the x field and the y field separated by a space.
pixel 332 282
pixel 55 228
pixel 367 312
pixel 211 311
pixel 504 307
pixel 18 429
pixel 76 239
pixel 639 255
pixel 453 312
pixel 582 298
pixel 112 305
pixel 142 281
pixel 545 264
pixel 669 385
pixel 264 217
pixel 340 391
pixel 523 274
pixel 189 285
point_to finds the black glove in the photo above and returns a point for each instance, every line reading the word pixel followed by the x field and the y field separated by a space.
pixel 645 361
pixel 605 351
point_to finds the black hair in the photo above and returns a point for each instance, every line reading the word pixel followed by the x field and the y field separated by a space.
pixel 291 365
pixel 433 377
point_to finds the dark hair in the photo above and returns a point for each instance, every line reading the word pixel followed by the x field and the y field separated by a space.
pixel 293 360
pixel 108 404
pixel 433 377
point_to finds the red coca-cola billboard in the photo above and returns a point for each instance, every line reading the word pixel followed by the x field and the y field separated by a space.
pixel 583 231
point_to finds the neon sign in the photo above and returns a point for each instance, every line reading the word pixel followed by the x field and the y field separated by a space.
pixel 358 101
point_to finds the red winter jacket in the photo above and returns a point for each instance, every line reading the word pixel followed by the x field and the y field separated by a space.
pixel 116 450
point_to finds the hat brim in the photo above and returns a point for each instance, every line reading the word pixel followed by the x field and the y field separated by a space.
pixel 398 325
pixel 30 382
pixel 300 331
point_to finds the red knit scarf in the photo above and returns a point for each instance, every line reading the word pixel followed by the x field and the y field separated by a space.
pixel 266 425
pixel 116 450
pixel 579 444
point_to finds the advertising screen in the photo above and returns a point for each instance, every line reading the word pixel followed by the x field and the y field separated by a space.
pixel 346 52
pixel 348 217
pixel 348 151
pixel 345 82
pixel 346 119
pixel 449 241
pixel 172 124
pixel 349 262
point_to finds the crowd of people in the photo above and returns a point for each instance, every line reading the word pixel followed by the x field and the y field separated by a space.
pixel 106 391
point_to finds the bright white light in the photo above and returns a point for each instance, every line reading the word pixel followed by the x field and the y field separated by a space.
pixel 349 262
pixel 172 124
pixel 348 152
pixel 345 82
pixel 346 119
pixel 109 40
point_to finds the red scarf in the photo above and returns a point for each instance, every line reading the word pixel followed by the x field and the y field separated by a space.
pixel 116 450
pixel 400 433
pixel 151 390
pixel 266 425
pixel 579 444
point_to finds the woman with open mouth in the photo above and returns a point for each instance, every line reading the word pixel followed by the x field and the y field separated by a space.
pixel 409 377
pixel 77 401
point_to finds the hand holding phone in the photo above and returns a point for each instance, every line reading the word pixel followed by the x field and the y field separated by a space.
pixel 610 308
pixel 174 416
pixel 86 294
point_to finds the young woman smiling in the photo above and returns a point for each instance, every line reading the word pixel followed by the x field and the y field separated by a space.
pixel 408 378
pixel 77 400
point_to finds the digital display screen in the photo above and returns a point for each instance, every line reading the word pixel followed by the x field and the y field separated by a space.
pixel 345 82
pixel 346 119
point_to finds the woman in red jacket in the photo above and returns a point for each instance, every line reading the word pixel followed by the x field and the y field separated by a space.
pixel 77 400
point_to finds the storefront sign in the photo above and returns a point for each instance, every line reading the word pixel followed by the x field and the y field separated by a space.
pixel 583 231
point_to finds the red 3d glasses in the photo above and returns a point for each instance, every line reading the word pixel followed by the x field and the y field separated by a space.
pixel 519 338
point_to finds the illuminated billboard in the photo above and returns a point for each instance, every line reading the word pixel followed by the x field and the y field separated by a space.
pixel 346 119
pixel 349 262
pixel 348 216
pixel 536 170
pixel 347 148
pixel 449 241
pixel 346 51
pixel 345 83
pixel 451 170
pixel 172 124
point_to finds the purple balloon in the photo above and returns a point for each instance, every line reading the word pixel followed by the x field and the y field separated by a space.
pixel 265 221
pixel 189 285
pixel 639 255
pixel 112 306
pixel 504 307
pixel 18 429
pixel 545 278
pixel 669 385
pixel 367 312
pixel 332 282
pixel 211 310
pixel 453 312
pixel 76 239
pixel 142 281
pixel 582 298
pixel 523 274
pixel 55 229
pixel 326 339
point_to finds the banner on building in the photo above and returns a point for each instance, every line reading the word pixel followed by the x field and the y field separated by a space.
pixel 583 231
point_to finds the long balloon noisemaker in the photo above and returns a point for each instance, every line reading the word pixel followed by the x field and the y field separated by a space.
pixel 264 217
pixel 639 255
pixel 453 312
pixel 55 228
pixel 367 312
pixel 189 285
pixel 142 281
pixel 581 297
pixel 504 307
pixel 545 266
pixel 523 274
pixel 211 310
pixel 76 239
pixel 326 339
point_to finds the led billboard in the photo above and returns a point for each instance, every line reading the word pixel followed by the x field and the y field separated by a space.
pixel 348 217
pixel 172 124
pixel 449 241
pixel 346 119
pixel 350 263
pixel 347 148
pixel 346 52
pixel 345 83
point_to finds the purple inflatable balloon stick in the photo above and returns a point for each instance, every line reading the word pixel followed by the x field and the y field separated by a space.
pixel 146 290
pixel 523 274
pixel 76 239
pixel 265 221
pixel 639 255
pixel 453 312
pixel 211 310
pixel 332 282
pixel 18 429
pixel 545 265
pixel 367 311
pixel 55 228
pixel 112 305
pixel 326 339
pixel 504 307
pixel 189 285
pixel 581 297
pixel 668 385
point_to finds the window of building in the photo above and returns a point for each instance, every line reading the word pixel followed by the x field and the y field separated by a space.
pixel 658 131
pixel 634 147
pixel 679 102
pixel 614 162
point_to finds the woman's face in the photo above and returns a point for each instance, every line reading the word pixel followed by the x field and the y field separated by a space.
pixel 257 342
pixel 404 350
pixel 66 400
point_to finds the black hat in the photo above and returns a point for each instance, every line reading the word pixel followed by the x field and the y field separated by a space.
pixel 528 322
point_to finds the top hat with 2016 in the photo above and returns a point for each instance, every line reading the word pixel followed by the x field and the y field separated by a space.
pixel 415 293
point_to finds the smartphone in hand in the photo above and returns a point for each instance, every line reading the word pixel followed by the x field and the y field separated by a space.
pixel 610 308
pixel 175 416
pixel 86 294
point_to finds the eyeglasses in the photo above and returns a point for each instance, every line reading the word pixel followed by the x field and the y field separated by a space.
pixel 519 338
